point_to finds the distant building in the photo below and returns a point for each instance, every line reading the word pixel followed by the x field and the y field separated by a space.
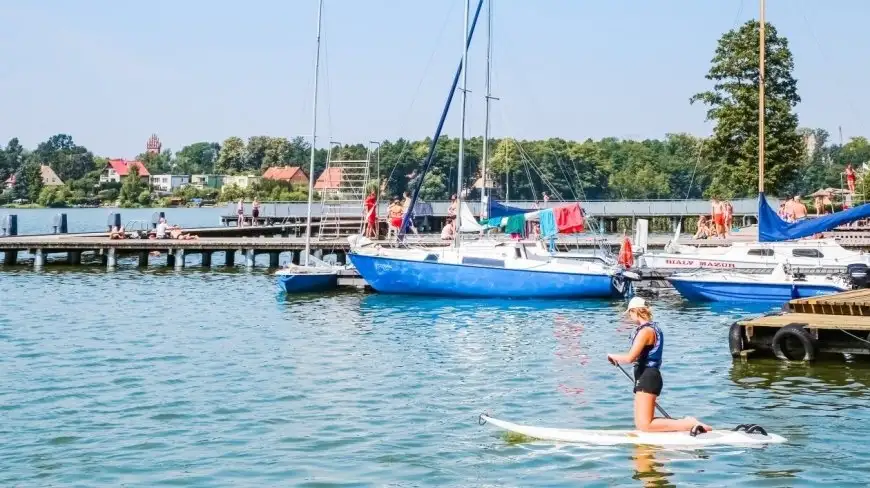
pixel 290 174
pixel 10 182
pixel 241 181
pixel 49 177
pixel 154 146
pixel 329 181
pixel 169 183
pixel 207 181
pixel 116 169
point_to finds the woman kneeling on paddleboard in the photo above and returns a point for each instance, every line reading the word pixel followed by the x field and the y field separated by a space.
pixel 647 346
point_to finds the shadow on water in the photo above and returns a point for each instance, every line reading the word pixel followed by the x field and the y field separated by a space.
pixel 842 378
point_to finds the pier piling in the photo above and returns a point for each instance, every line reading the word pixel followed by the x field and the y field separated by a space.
pixel 10 225
pixel 274 259
pixel 206 259
pixel 230 258
pixel 143 259
pixel 10 257
pixel 38 258
pixel 74 257
pixel 111 257
pixel 250 258
pixel 179 258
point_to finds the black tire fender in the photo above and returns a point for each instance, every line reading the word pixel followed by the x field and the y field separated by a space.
pixel 736 339
pixel 795 331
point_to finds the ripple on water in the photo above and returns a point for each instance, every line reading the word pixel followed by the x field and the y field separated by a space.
pixel 227 386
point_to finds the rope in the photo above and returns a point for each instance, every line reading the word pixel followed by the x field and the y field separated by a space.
pixel 853 335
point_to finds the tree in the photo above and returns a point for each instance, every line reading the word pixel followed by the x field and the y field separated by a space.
pixel 67 159
pixel 733 105
pixel 13 156
pixel 277 153
pixel 255 151
pixel 158 163
pixel 231 159
pixel 28 181
pixel 132 189
pixel 197 158
pixel 433 187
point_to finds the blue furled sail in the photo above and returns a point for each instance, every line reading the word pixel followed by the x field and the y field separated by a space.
pixel 496 209
pixel 772 228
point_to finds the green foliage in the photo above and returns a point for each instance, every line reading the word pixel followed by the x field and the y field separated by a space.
pixel 67 159
pixel 29 181
pixel 434 186
pixel 134 192
pixel 197 158
pixel 54 196
pixel 232 157
pixel 157 164
pixel 733 105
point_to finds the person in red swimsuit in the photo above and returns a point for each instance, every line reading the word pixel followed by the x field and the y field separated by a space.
pixel 850 177
pixel 371 206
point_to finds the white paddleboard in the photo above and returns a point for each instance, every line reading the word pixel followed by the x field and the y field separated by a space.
pixel 614 437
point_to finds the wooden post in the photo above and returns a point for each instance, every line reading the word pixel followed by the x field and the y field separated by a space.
pixel 250 258
pixel 230 257
pixel 170 258
pixel 294 257
pixel 143 259
pixel 274 259
pixel 179 258
pixel 74 258
pixel 111 258
pixel 206 259
pixel 38 258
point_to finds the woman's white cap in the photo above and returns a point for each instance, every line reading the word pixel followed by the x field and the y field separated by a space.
pixel 635 302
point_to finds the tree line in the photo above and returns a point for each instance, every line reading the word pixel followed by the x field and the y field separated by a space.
pixel 678 166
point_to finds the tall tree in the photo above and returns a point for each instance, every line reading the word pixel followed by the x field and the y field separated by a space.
pixel 68 160
pixel 14 155
pixel 231 158
pixel 277 153
pixel 28 181
pixel 733 105
pixel 199 157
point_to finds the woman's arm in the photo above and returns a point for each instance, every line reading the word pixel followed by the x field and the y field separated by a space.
pixel 644 338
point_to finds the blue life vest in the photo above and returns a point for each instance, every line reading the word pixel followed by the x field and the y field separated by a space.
pixel 651 356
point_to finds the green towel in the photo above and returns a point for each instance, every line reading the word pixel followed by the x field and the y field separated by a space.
pixel 516 224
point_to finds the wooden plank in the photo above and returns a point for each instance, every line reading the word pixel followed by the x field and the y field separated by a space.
pixel 813 321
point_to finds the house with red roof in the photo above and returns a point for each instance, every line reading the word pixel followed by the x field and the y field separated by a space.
pixel 10 182
pixel 117 169
pixel 291 174
pixel 329 181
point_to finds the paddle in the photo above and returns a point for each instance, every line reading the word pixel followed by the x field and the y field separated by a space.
pixel 660 409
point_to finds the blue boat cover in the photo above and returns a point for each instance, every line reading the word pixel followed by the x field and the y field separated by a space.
pixel 772 228
pixel 497 210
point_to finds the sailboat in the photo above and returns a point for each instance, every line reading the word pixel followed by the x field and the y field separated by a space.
pixel 771 250
pixel 485 269
pixel 313 275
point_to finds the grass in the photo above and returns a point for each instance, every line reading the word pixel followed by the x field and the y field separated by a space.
pixel 516 438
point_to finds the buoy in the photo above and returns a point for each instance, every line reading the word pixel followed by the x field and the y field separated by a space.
pixel 626 258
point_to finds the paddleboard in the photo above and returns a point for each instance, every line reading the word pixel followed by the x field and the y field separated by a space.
pixel 614 437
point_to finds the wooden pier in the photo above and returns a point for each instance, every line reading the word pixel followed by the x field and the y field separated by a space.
pixel 808 328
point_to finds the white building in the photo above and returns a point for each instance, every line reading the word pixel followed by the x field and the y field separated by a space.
pixel 169 183
pixel 241 181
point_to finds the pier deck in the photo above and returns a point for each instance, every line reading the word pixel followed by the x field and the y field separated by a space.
pixel 832 324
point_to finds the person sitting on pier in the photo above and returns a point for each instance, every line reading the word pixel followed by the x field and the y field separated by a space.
pixel 703 228
pixel 176 233
pixel 162 229
pixel 117 233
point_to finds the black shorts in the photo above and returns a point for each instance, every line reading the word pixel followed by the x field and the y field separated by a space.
pixel 649 381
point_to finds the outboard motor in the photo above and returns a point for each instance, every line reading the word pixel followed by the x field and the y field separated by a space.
pixel 859 275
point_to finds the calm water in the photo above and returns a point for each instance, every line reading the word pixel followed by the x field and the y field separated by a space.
pixel 209 378
pixel 40 221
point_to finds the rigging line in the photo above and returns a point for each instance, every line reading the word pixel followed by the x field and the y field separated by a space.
pixel 739 13
pixel 327 80
pixel 423 78
pixel 697 161
pixel 565 174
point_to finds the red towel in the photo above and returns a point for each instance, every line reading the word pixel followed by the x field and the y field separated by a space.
pixel 569 219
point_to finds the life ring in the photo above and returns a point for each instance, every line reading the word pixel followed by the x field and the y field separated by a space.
pixel 735 339
pixel 786 337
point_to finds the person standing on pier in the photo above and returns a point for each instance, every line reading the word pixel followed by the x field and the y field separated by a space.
pixel 371 222
pixel 798 209
pixel 718 218
pixel 850 177
pixel 647 348
pixel 255 211
pixel 240 213
pixel 406 210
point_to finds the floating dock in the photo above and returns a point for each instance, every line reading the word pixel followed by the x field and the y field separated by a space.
pixel 808 328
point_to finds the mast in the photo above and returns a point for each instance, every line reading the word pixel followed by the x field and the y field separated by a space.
pixel 761 79
pixel 464 90
pixel 313 138
pixel 488 97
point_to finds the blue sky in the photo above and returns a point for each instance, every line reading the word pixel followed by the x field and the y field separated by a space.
pixel 112 72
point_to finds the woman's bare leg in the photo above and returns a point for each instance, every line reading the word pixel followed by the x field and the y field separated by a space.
pixel 645 420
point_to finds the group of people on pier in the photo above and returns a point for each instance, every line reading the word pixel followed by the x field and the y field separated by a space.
pixel 719 223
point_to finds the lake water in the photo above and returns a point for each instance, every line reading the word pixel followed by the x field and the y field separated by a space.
pixel 40 221
pixel 210 378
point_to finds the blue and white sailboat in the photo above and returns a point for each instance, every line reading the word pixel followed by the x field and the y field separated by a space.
pixel 313 275
pixel 495 269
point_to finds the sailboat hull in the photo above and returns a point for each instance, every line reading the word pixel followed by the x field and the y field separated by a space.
pixel 307 282
pixel 408 277
pixel 725 291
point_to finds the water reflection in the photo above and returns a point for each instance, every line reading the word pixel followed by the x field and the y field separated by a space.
pixel 848 378
pixel 649 471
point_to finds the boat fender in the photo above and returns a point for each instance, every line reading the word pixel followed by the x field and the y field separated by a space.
pixel 756 429
pixel 735 339
pixel 798 332
pixel 480 419
pixel 698 429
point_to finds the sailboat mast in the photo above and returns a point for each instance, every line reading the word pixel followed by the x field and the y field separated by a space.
pixel 488 97
pixel 313 138
pixel 464 89
pixel 761 76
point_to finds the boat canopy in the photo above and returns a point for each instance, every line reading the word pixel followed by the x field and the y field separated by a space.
pixel 771 228
pixel 496 209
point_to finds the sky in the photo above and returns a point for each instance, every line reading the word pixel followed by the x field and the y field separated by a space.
pixel 111 73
